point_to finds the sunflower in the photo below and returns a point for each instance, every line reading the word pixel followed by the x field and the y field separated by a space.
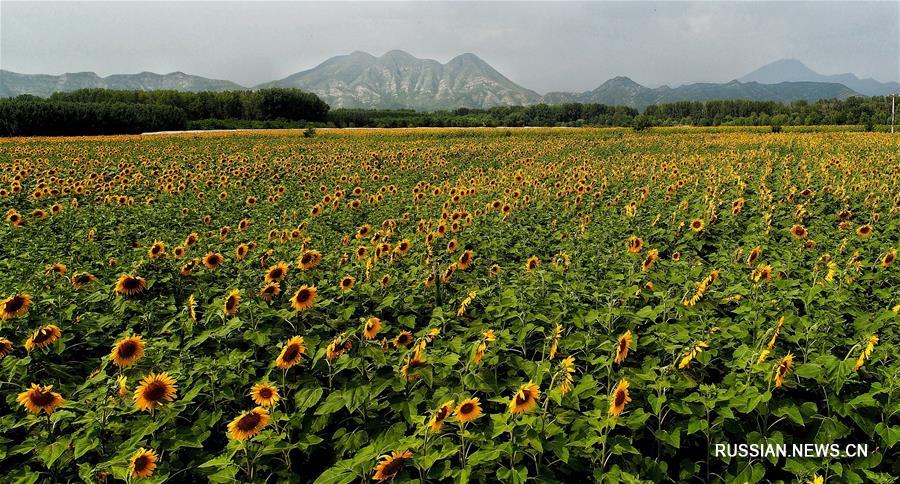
pixel 622 346
pixel 43 337
pixel 248 424
pixel 532 263
pixel 154 391
pixel 143 463
pixel 127 351
pixel 864 230
pixel 390 465
pixel 889 258
pixel 56 269
pixel 264 394
pixel 270 291
pixel 240 253
pixel 15 306
pixel 6 347
pixel 619 398
pixel 468 410
pixel 465 260
pixel 347 283
pixel 277 272
pixel 304 298
pixel 291 353
pixel 230 306
pixel 697 225
pixel 635 244
pixel 440 415
pixel 213 260
pixel 495 270
pixel 799 231
pixel 130 285
pixel 783 368
pixel 403 247
pixel 37 399
pixel 403 340
pixel 525 399
pixel 409 369
pixel 81 279
pixel 372 327
pixel 157 250
pixel 309 260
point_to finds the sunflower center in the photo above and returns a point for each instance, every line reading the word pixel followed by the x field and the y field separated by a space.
pixel 141 463
pixel 249 422
pixel 43 335
pixel 41 399
pixel 290 354
pixel 15 304
pixel 127 349
pixel 131 283
pixel 467 408
pixel 155 392
pixel 303 296
pixel 620 398
pixel 265 393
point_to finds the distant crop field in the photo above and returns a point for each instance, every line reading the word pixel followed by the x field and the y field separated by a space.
pixel 568 305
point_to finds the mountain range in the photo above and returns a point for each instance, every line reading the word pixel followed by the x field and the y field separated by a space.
pixel 398 80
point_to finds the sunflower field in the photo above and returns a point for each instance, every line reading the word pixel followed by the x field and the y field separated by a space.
pixel 569 305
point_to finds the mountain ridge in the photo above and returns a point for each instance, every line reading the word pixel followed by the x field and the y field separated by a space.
pixel 399 80
pixel 793 70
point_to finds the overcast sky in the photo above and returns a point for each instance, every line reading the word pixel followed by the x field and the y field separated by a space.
pixel 542 46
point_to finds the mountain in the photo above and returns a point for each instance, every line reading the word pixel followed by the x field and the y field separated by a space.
pixel 400 80
pixel 13 83
pixel 624 91
pixel 792 70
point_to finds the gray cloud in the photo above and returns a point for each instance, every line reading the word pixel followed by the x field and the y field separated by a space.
pixel 543 46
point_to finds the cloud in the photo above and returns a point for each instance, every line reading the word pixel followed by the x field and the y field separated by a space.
pixel 543 46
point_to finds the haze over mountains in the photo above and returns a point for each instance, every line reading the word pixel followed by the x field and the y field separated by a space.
pixel 399 80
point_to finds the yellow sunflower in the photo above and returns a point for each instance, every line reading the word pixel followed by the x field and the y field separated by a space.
pixel 525 399
pixel 532 263
pixel 154 390
pixel 130 285
pixel 390 465
pixel 15 306
pixel 372 327
pixel 347 283
pixel 622 346
pixel 277 272
pixel 43 337
pixel 6 347
pixel 264 394
pixel 468 410
pixel 143 463
pixel 619 398
pixel 127 351
pixel 230 306
pixel 248 424
pixel 304 298
pixel 213 260
pixel 291 353
pixel 37 399
pixel 270 291
pixel 440 415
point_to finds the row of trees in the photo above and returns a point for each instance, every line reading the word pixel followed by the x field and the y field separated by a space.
pixel 259 105
pixel 102 111
pixel 29 116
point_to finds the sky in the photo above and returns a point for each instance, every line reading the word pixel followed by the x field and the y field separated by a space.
pixel 545 46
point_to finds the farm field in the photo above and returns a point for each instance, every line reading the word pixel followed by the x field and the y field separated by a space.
pixel 569 305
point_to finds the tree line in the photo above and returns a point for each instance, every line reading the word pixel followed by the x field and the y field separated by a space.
pixel 104 111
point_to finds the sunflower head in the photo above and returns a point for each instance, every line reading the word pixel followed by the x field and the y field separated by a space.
pixel 154 391
pixel 270 291
pixel 304 298
pixel 248 424
pixel 264 394
pixel 525 399
pixel 440 415
pixel 130 285
pixel 143 463
pixel 127 351
pixel 277 272
pixel 43 337
pixel 347 283
pixel 532 263
pixel 37 399
pixel 619 398
pixel 230 306
pixel 468 410
pixel 389 465
pixel 213 260
pixel 371 328
pixel 15 306
pixel 291 353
